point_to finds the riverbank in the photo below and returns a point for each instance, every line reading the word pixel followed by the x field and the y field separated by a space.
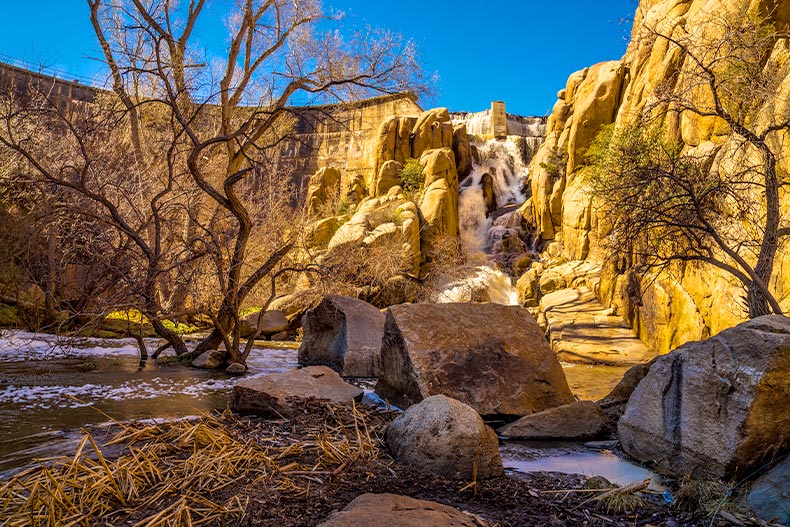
pixel 224 470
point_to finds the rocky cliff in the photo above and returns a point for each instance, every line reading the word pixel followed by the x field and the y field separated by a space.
pixel 688 301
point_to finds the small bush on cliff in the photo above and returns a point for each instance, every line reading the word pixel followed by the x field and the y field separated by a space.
pixel 556 163
pixel 411 178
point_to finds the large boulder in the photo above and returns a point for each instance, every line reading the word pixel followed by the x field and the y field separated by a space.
pixel 401 511
pixel 433 129
pixel 616 401
pixel 445 437
pixel 273 321
pixel 275 395
pixel 493 357
pixel 769 496
pixel 575 421
pixel 343 333
pixel 386 178
pixel 715 408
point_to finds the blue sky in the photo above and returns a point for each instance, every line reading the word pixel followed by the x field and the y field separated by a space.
pixel 517 51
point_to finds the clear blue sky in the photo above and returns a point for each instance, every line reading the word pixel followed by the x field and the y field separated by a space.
pixel 519 51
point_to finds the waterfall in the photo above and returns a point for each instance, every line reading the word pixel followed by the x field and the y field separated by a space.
pixel 491 228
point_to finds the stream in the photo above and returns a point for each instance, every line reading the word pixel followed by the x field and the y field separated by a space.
pixel 51 387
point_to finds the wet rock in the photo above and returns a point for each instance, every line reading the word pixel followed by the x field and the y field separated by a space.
pixel 274 395
pixel 487 184
pixel 575 421
pixel 769 496
pixel 345 334
pixel 493 357
pixel 715 408
pixel 401 511
pixel 445 437
pixel 209 360
pixel 236 368
pixel 273 321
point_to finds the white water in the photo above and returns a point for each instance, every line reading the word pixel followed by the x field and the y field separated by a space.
pixel 480 233
pixel 486 283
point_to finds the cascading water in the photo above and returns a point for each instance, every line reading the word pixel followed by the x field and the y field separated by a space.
pixel 489 223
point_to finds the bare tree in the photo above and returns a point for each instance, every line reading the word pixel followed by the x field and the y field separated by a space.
pixel 665 201
pixel 176 164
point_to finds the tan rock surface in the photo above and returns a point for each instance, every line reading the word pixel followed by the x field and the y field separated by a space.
pixel 433 129
pixel 581 329
pixel 370 510
pixel 272 395
pixel 323 191
pixel 388 176
pixel 492 357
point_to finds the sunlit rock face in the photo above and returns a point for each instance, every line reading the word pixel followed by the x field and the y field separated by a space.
pixel 691 301
pixel 494 358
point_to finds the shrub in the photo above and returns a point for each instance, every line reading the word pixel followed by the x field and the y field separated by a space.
pixel 411 178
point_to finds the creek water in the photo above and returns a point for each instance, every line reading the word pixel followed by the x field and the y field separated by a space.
pixel 52 387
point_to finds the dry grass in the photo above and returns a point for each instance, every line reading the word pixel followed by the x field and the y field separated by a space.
pixel 171 473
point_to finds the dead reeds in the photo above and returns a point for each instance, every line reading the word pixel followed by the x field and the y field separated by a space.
pixel 187 472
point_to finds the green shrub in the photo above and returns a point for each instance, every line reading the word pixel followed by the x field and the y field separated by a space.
pixel 411 178
pixel 343 206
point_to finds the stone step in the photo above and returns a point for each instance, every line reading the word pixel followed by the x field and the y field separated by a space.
pixel 582 330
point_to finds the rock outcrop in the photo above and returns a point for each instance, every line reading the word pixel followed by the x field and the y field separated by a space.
pixel 274 395
pixel 689 301
pixel 345 334
pixel 390 222
pixel 445 437
pixel 492 357
pixel 323 192
pixel 401 511
pixel 387 177
pixel 581 329
pixel 439 203
pixel 716 408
